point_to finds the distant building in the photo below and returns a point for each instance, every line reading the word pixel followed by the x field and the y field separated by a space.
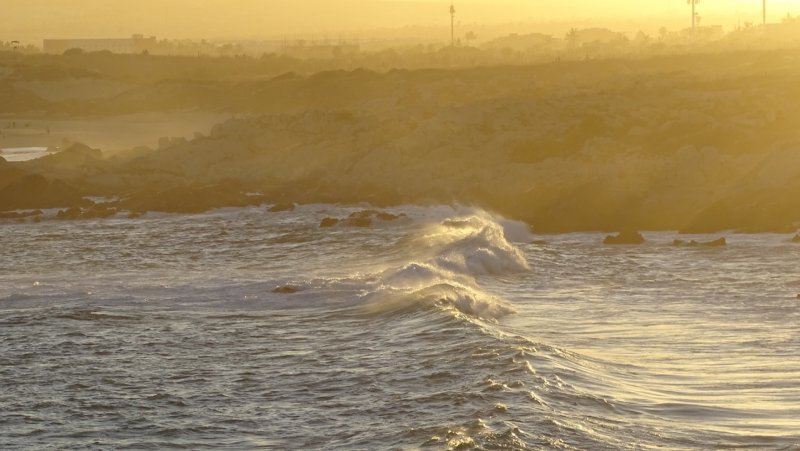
pixel 135 44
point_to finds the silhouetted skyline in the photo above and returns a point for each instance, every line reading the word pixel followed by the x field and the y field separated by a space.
pixel 37 19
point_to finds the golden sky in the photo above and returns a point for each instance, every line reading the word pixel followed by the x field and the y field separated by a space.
pixel 35 19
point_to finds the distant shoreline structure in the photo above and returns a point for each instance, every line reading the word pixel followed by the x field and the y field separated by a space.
pixel 137 43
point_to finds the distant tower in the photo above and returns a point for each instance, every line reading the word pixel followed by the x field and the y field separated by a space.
pixel 764 12
pixel 453 25
pixel 694 12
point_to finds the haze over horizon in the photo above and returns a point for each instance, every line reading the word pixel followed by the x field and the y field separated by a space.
pixel 33 20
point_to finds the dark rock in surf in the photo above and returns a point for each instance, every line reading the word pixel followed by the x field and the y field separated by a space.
pixel 98 212
pixel 384 216
pixel 17 215
pixel 288 289
pixel 364 214
pixel 69 214
pixel 358 222
pixel 93 212
pixel 328 222
pixel 721 242
pixel 796 238
pixel 364 218
pixel 281 207
pixel 627 237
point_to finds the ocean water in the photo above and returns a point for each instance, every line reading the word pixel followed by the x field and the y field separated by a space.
pixel 445 329
pixel 22 153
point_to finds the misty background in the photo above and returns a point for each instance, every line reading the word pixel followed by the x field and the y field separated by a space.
pixel 32 20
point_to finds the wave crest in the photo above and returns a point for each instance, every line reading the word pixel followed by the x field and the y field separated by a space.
pixel 458 251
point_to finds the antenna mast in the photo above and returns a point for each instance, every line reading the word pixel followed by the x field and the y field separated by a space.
pixel 452 25
pixel 694 12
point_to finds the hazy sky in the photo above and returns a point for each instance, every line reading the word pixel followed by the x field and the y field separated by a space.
pixel 35 19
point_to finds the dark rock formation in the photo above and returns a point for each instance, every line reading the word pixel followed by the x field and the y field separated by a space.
pixel 364 214
pixel 358 222
pixel 280 207
pixel 99 212
pixel 328 222
pixel 76 155
pixel 627 237
pixel 796 238
pixel 35 191
pixel 288 289
pixel 384 216
pixel 17 215
pixel 191 199
pixel 70 213
pixel 721 242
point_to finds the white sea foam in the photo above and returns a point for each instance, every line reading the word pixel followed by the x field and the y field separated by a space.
pixel 456 251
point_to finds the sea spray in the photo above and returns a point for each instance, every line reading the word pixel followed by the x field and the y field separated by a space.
pixel 460 248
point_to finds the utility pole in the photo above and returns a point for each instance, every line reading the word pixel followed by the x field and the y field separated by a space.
pixel 452 25
pixel 694 13
pixel 764 13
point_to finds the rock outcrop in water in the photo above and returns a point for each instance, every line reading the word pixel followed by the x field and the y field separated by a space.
pixel 626 237
pixel 364 218
pixel 720 242
pixel 328 222
pixel 96 211
pixel 20 214
pixel 282 207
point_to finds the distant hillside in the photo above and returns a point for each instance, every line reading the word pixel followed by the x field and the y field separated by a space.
pixel 696 143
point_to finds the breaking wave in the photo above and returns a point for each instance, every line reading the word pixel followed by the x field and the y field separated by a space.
pixel 455 251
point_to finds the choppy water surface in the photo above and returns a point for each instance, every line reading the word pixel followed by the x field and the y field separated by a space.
pixel 444 329
pixel 22 153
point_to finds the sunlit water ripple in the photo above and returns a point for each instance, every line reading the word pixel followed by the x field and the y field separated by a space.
pixel 443 329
